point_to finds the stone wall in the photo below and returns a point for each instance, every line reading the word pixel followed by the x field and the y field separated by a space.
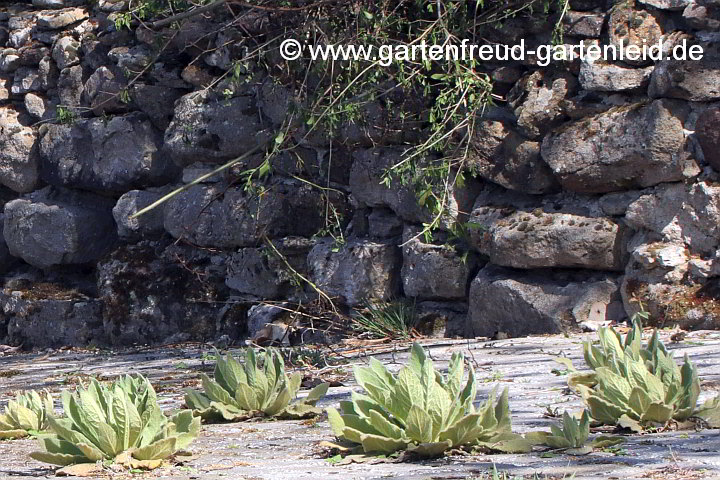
pixel 592 187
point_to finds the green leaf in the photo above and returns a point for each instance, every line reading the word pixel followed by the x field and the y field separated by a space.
pixel 584 450
pixel 378 444
pixel 419 425
pixel 537 437
pixel 121 417
pixel 187 428
pixel 224 375
pixel 196 400
pixel 658 413
pixel 710 412
pixel 463 431
pixel 508 443
pixel 214 391
pixel 430 450
pixel 90 452
pixel 639 400
pixel 246 398
pixel 385 426
pixel 157 450
pixel 281 401
pixel 8 434
pixel 57 458
pixel 566 362
pixel 316 393
pixel 604 411
pixel 336 422
pixel 602 441
pixel 23 417
pixel 626 422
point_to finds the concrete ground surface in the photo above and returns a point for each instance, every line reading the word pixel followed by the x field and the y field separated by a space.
pixel 292 450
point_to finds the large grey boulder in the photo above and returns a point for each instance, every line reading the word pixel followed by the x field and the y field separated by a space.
pixel 505 301
pixel 441 319
pixel 694 80
pixel 26 80
pixel 262 273
pixel 18 152
pixel 501 155
pixel 103 91
pixel 157 102
pixel 672 283
pixel 133 59
pixel 539 101
pixel 708 135
pixel 701 17
pixel 626 147
pixel 681 214
pixel 53 227
pixel 65 52
pixel 434 271
pixel 116 155
pixel 667 4
pixel 6 260
pixel 537 239
pixel 382 223
pixel 583 25
pixel 215 215
pixel 146 225
pixel 205 128
pixel 366 175
pixel 674 267
pixel 629 25
pixel 9 60
pixel 70 86
pixel 379 124
pixel 38 107
pixel 152 292
pixel 4 88
pixel 58 19
pixel 357 272
pixel 605 77
pixel 616 203
pixel 52 323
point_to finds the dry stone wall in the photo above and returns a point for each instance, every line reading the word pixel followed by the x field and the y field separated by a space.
pixel 593 187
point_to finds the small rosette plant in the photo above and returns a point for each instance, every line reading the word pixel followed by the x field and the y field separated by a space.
pixel 119 421
pixel 637 386
pixel 27 414
pixel 420 410
pixel 259 388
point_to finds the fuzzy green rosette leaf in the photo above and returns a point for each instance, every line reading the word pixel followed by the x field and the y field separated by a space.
pixel 27 413
pixel 421 410
pixel 106 422
pixel 260 387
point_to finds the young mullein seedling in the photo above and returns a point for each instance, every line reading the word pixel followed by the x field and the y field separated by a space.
pixel 574 433
pixel 241 392
pixel 423 411
pixel 122 421
pixel 28 413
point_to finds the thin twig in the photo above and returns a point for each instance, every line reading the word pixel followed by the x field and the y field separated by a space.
pixel 201 178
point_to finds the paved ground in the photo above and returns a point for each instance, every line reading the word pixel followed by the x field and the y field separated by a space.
pixel 290 449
